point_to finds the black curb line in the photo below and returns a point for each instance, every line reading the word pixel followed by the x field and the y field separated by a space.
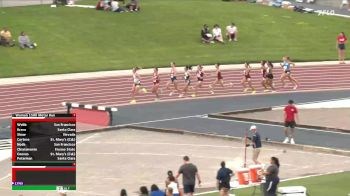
pixel 224 115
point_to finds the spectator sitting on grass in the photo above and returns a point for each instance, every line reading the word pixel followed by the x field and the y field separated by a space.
pixel 217 34
pixel 99 5
pixel 123 193
pixel 107 5
pixel 206 36
pixel 231 32
pixel 6 38
pixel 115 6
pixel 144 191
pixel 174 186
pixel 169 192
pixel 24 41
pixel 133 6
pixel 155 191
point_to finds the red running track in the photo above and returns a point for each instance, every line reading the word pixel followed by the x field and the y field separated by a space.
pixel 115 91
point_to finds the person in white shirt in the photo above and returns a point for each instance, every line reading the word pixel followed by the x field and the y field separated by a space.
pixel 231 32
pixel 217 35
pixel 174 186
pixel 115 6
pixel 346 4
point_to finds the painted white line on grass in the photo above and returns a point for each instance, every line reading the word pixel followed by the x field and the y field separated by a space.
pixel 273 125
pixel 284 180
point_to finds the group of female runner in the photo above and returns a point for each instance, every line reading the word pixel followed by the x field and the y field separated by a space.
pixel 266 71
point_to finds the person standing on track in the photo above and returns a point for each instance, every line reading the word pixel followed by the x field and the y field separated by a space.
pixel 341 41
pixel 189 173
pixel 263 73
pixel 290 117
pixel 247 79
pixel 269 76
pixel 200 79
pixel 286 65
pixel 136 85
pixel 156 81
pixel 187 78
pixel 172 79
pixel 218 80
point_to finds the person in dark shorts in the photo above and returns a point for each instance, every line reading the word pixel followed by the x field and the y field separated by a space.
pixel 290 115
pixel 189 173
pixel 206 36
pixel 269 76
pixel 341 41
pixel 247 79
pixel 187 78
pixel 272 179
pixel 223 179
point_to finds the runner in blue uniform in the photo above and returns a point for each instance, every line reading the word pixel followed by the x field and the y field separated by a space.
pixel 286 65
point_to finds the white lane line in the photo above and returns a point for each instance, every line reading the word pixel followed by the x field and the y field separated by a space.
pixel 161 120
pixel 5 177
pixel 164 143
pixel 267 124
pixel 87 138
pixel 284 180
pixel 310 102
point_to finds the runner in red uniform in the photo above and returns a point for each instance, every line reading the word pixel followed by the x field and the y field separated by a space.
pixel 156 81
pixel 290 117
pixel 247 79
pixel 200 79
pixel 218 80
pixel 341 41
pixel 263 69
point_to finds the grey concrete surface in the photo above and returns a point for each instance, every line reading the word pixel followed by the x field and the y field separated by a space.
pixel 273 132
pixel 110 161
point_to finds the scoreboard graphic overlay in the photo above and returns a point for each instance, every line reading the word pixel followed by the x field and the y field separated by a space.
pixel 43 152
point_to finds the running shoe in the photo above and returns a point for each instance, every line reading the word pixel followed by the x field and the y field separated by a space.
pixel 181 95
pixel 286 140
pixel 295 87
pixel 193 95
pixel 212 92
pixel 253 92
pixel 210 86
pixel 133 101
pixel 144 90
pixel 171 93
pixel 292 141
pixel 231 84
pixel 245 90
pixel 266 90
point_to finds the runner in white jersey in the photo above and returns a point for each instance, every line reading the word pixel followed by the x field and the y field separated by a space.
pixel 173 79
pixel 136 85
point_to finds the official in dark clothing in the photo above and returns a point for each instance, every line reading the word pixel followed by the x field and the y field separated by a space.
pixel 256 144
pixel 272 179
pixel 223 179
